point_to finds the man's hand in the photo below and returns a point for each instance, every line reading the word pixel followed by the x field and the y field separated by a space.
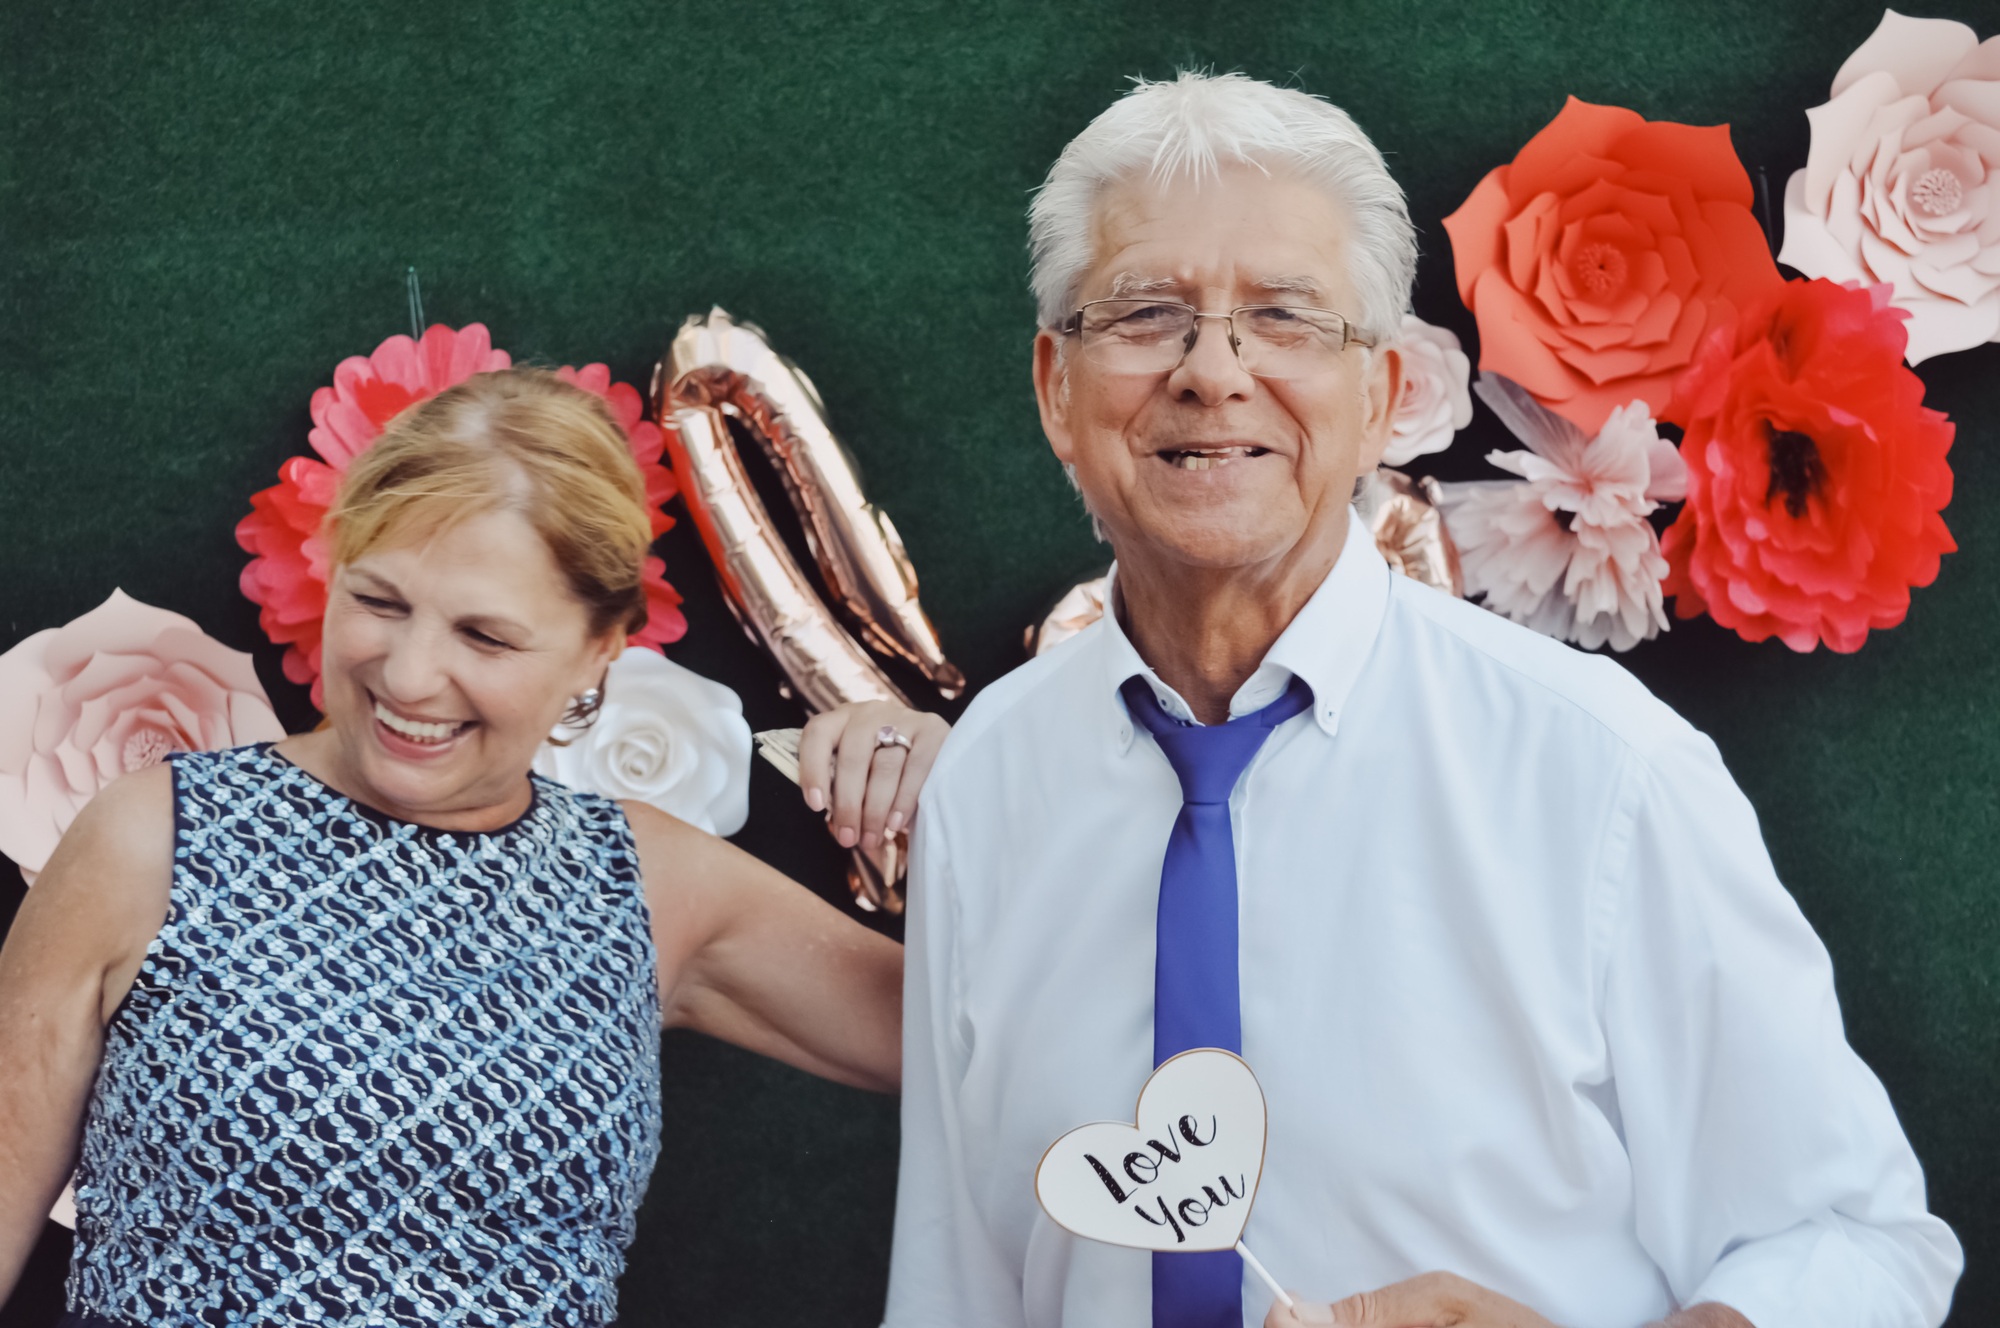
pixel 1442 1300
pixel 1434 1300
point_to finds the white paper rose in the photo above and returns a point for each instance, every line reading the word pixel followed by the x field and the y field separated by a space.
pixel 1902 183
pixel 666 736
pixel 1435 403
pixel 114 691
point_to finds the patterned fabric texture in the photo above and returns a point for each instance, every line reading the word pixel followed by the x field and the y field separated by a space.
pixel 374 1073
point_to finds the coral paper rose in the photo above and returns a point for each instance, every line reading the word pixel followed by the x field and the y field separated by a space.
pixel 1902 184
pixel 1435 403
pixel 1815 474
pixel 287 575
pixel 112 692
pixel 666 736
pixel 1600 257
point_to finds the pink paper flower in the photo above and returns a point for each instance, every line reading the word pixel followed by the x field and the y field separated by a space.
pixel 1435 404
pixel 1902 183
pixel 287 574
pixel 1567 549
pixel 112 692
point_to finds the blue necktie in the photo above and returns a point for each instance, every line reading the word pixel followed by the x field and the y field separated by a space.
pixel 1196 1001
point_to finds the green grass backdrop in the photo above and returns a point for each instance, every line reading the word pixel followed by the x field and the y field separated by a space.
pixel 203 207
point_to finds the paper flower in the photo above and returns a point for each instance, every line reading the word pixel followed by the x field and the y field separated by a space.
pixel 1815 474
pixel 1902 183
pixel 666 736
pixel 1567 549
pixel 287 574
pixel 113 692
pixel 1435 404
pixel 1598 259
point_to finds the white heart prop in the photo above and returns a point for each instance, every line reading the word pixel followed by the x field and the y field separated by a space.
pixel 1182 1178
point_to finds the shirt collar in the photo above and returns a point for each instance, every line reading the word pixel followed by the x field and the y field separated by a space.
pixel 1326 643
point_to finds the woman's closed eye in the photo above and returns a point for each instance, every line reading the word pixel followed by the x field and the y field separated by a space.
pixel 485 640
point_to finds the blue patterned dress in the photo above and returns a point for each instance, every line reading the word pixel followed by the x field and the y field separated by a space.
pixel 372 1072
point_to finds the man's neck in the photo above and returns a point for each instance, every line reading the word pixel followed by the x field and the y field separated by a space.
pixel 1205 630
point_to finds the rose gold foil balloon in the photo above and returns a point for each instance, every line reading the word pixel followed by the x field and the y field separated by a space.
pixel 1409 529
pixel 761 583
pixel 719 362
pixel 1401 513
pixel 717 367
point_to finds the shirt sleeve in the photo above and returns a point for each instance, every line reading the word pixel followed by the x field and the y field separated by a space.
pixel 943 1266
pixel 1770 1173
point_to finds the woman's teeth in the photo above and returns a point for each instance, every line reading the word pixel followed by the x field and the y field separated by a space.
pixel 1209 460
pixel 412 729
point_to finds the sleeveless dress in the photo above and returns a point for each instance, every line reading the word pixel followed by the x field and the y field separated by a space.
pixel 371 1072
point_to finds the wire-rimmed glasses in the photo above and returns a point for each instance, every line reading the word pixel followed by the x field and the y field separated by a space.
pixel 1128 336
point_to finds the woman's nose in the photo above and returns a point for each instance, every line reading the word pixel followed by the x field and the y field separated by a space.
pixel 413 668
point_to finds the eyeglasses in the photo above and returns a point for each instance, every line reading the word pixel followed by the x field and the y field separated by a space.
pixel 1152 336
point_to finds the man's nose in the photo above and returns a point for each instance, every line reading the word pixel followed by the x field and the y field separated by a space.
pixel 1211 371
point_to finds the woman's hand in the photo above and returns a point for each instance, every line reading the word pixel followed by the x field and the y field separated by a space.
pixel 871 786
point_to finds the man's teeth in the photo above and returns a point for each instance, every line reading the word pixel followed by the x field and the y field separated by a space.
pixel 1211 458
pixel 413 730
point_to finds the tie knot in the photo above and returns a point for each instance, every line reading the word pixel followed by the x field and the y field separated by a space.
pixel 1210 758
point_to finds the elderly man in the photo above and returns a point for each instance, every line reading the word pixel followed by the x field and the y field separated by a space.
pixel 1543 1038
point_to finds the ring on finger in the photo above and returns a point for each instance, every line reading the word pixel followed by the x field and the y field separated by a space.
pixel 887 736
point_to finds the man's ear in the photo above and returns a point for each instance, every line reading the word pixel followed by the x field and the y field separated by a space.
pixel 1382 389
pixel 1052 392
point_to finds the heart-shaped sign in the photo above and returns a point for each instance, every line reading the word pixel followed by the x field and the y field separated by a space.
pixel 1182 1177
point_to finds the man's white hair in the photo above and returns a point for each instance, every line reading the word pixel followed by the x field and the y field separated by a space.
pixel 1192 126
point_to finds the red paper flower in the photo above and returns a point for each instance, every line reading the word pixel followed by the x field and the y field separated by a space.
pixel 1815 475
pixel 287 574
pixel 1597 260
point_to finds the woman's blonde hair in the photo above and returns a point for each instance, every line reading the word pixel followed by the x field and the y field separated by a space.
pixel 518 440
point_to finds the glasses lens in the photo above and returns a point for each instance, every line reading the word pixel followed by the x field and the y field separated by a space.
pixel 1280 341
pixel 1135 336
pixel 1151 336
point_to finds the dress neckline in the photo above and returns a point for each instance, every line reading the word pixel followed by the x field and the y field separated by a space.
pixel 396 823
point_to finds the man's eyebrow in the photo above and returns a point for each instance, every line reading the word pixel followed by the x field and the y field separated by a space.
pixel 1305 286
pixel 1131 283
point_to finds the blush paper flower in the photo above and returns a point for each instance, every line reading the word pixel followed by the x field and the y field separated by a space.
pixel 287 573
pixel 1815 474
pixel 1601 255
pixel 114 691
pixel 1435 403
pixel 1566 549
pixel 1902 182
pixel 666 736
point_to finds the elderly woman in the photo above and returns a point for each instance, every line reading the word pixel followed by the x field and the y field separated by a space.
pixel 362 1027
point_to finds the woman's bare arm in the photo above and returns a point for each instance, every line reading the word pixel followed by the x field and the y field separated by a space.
pixel 70 957
pixel 752 957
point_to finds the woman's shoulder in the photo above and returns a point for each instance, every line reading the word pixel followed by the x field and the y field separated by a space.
pixel 129 824
pixel 104 894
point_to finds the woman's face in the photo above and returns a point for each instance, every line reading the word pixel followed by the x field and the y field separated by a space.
pixel 447 662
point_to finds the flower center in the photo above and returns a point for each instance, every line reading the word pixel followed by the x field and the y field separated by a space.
pixel 1938 192
pixel 1600 269
pixel 1796 469
pixel 146 747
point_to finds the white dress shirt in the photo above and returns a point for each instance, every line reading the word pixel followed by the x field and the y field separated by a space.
pixel 1524 993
